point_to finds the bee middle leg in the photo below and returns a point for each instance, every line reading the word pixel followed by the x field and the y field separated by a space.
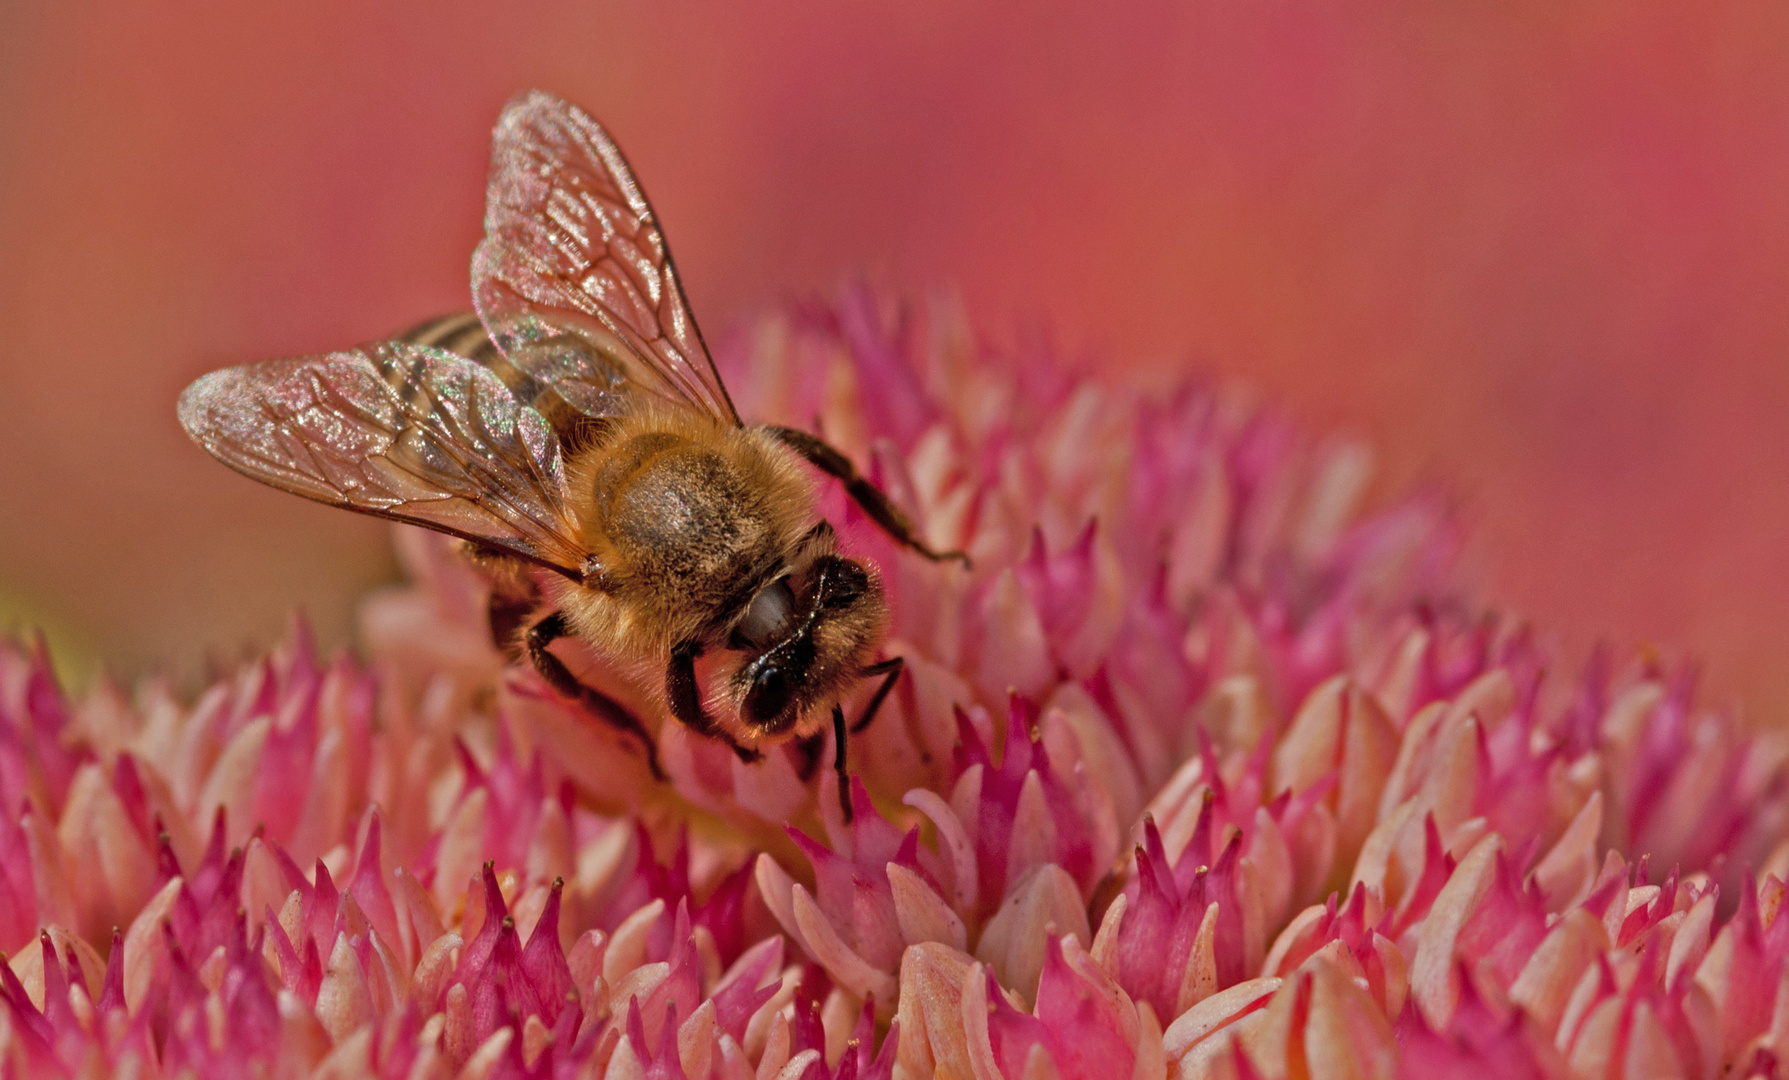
pixel 874 501
pixel 559 677
pixel 807 754
pixel 685 697
pixel 507 614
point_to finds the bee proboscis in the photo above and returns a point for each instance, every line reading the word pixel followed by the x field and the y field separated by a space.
pixel 577 436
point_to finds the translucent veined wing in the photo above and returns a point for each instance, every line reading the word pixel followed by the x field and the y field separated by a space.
pixel 464 335
pixel 401 431
pixel 573 279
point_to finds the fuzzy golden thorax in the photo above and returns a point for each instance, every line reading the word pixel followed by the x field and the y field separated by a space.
pixel 688 518
pixel 692 521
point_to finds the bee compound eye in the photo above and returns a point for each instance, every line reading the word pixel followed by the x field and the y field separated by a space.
pixel 768 697
pixel 845 581
pixel 769 618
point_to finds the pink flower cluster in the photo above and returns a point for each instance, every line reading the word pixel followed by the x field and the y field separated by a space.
pixel 1203 771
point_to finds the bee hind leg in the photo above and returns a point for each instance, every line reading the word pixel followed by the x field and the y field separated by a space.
pixel 685 697
pixel 872 499
pixel 559 677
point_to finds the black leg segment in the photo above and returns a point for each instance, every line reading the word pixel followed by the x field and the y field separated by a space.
pixel 871 498
pixel 839 737
pixel 807 754
pixel 890 670
pixel 685 697
pixel 559 677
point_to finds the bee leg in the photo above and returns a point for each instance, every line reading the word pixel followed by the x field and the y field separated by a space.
pixel 560 678
pixel 890 670
pixel 872 499
pixel 685 696
pixel 839 738
pixel 506 614
pixel 807 754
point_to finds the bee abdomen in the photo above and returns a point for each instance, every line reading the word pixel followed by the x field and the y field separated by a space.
pixel 464 335
pixel 460 333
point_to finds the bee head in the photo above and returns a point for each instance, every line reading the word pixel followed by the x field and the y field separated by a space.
pixel 808 635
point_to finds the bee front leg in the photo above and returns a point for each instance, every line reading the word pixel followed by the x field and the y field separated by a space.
pixel 685 696
pixel 890 670
pixel 874 501
pixel 559 677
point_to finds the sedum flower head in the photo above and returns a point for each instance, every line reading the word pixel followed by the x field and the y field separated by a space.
pixel 1203 771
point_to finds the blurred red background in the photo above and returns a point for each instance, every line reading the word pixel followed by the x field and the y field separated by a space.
pixel 1536 253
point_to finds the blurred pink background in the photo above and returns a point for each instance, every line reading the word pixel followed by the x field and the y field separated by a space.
pixel 1537 256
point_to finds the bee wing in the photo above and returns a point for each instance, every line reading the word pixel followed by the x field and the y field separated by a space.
pixel 560 371
pixel 573 279
pixel 400 431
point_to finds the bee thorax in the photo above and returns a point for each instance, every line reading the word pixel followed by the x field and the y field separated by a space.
pixel 690 521
pixel 680 512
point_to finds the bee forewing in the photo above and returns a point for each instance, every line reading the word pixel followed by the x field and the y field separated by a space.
pixel 572 248
pixel 560 376
pixel 401 431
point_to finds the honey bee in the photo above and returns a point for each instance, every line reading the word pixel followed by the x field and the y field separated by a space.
pixel 576 435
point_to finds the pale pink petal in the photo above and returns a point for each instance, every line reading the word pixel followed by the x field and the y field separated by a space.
pixel 843 964
pixel 923 914
pixel 1043 904
pixel 1215 1012
pixel 955 842
pixel 930 1015
pixel 1434 982
pixel 345 1001
pixel 1547 981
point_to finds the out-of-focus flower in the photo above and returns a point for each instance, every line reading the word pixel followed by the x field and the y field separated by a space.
pixel 1200 772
